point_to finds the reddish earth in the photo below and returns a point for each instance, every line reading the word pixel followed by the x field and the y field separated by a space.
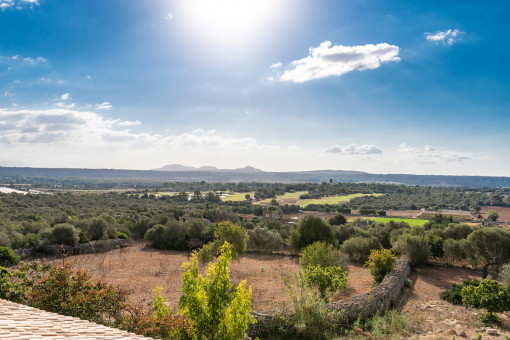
pixel 140 269
pixel 504 213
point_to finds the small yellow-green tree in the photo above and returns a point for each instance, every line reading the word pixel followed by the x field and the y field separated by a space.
pixel 380 262
pixel 214 309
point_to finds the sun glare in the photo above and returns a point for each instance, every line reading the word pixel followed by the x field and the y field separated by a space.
pixel 231 21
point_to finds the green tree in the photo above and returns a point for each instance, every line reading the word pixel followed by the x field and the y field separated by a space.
pixel 380 262
pixel 319 254
pixel 311 229
pixel 358 248
pixel 492 215
pixel 415 247
pixel 64 233
pixel 338 220
pixel 215 309
pixel 225 231
pixel 489 246
pixel 264 240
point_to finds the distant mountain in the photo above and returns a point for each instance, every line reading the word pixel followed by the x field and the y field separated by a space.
pixel 206 168
pixel 175 167
pixel 176 172
pixel 247 169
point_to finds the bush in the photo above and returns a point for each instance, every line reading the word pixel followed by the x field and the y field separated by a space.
pixel 71 293
pixel 455 250
pixel 415 247
pixel 453 295
pixel 312 318
pixel 311 229
pixel 457 231
pixel 504 274
pixel 171 236
pixel 344 232
pixel 64 233
pixel 338 220
pixel 358 248
pixel 489 295
pixel 329 279
pixel 319 254
pixel 264 240
pixel 8 257
pixel 436 244
pixel 122 236
pixel 215 309
pixel 367 211
pixel 380 262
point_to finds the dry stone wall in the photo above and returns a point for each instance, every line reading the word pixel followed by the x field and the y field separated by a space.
pixel 368 304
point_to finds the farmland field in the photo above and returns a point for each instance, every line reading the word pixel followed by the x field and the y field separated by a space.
pixel 236 196
pixel 293 198
pixel 411 221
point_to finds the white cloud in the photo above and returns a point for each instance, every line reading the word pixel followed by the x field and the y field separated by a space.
pixel 406 148
pixel 276 65
pixel 88 76
pixel 353 149
pixel 32 61
pixel 65 106
pixel 326 60
pixel 18 4
pixel 104 106
pixel 65 96
pixel 169 16
pixel 429 148
pixel 448 37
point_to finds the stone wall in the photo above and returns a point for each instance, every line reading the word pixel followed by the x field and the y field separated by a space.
pixel 367 304
pixel 381 296
pixel 82 248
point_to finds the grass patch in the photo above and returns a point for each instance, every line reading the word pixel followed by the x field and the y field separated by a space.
pixel 413 222
pixel 333 199
pixel 237 196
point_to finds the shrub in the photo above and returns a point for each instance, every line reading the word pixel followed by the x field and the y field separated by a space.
pixel 312 318
pixel 71 293
pixel 64 233
pixel 8 257
pixel 367 211
pixel 215 309
pixel 329 279
pixel 453 295
pixel 436 244
pixel 264 240
pixel 358 248
pixel 457 231
pixel 338 220
pixel 380 262
pixel 235 235
pixel 489 295
pixel 122 236
pixel 319 254
pixel 455 250
pixel 344 232
pixel 311 229
pixel 504 274
pixel 415 247
pixel 171 236
pixel 489 246
pixel 8 289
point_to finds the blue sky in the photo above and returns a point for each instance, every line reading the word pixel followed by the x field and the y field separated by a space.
pixel 282 85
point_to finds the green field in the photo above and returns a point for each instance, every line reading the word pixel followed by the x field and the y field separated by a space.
pixel 333 199
pixel 237 196
pixel 413 222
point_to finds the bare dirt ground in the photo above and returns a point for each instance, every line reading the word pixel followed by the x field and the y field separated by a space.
pixel 140 269
pixel 504 213
pixel 432 318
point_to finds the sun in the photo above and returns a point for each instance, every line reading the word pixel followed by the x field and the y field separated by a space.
pixel 231 21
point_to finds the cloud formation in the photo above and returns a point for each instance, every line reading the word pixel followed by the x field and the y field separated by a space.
pixel 448 37
pixel 326 60
pixel 276 65
pixel 18 4
pixel 104 106
pixel 406 148
pixel 353 149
